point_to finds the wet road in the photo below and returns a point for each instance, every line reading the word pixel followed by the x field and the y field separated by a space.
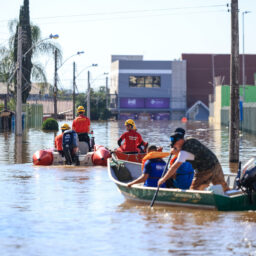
pixel 78 211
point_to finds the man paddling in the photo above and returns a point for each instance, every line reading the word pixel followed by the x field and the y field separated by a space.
pixel 203 160
pixel 58 139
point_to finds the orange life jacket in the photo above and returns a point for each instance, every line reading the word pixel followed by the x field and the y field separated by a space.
pixel 58 142
pixel 152 155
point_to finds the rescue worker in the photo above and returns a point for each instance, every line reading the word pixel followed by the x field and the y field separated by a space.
pixel 58 139
pixel 203 160
pixel 144 145
pixel 132 139
pixel 152 171
pixel 70 147
pixel 81 125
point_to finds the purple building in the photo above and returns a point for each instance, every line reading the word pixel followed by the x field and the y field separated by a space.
pixel 147 89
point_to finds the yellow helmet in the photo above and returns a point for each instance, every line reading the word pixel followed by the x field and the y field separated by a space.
pixel 129 122
pixel 80 109
pixel 65 127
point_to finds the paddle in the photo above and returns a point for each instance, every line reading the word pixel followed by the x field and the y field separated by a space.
pixel 166 168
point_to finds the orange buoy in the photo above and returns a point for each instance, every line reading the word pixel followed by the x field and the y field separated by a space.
pixel 43 157
pixel 184 119
pixel 100 155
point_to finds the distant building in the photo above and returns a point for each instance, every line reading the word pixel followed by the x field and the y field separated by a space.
pixel 203 69
pixel 143 89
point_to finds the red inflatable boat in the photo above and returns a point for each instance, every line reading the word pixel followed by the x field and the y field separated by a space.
pixel 50 157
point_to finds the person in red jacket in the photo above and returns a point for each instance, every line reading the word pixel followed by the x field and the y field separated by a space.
pixel 58 139
pixel 132 139
pixel 81 125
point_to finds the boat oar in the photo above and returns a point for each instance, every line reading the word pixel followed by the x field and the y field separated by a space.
pixel 165 170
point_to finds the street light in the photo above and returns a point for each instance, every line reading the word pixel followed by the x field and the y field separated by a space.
pixel 20 57
pixel 51 36
pixel 243 59
pixel 55 90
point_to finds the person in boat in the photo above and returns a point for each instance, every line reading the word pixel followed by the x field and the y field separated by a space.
pixel 204 161
pixel 184 175
pixel 132 139
pixel 144 145
pixel 58 139
pixel 70 147
pixel 81 125
pixel 152 170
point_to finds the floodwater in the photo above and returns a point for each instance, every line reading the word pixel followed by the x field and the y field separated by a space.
pixel 78 211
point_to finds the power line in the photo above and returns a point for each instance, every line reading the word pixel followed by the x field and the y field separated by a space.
pixel 131 17
pixel 128 12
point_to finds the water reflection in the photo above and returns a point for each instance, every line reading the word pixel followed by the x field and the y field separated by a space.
pixel 78 210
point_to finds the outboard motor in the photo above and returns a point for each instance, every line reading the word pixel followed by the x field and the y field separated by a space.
pixel 69 142
pixel 248 181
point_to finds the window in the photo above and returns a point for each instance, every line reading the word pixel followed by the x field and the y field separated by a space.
pixel 145 81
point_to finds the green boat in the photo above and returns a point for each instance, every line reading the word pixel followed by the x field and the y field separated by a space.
pixel 122 172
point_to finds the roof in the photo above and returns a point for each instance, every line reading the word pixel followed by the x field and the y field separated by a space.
pixel 36 87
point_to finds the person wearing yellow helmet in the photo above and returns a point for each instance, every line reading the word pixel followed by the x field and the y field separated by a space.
pixel 132 139
pixel 58 139
pixel 81 125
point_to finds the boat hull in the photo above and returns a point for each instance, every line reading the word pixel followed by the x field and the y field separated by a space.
pixel 137 158
pixel 177 197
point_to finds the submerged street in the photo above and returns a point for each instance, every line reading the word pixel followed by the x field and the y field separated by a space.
pixel 42 209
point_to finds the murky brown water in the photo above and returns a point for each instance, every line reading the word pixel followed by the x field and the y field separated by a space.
pixel 78 211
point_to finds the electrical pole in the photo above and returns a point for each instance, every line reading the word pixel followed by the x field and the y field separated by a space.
pixel 88 97
pixel 234 86
pixel 55 89
pixel 19 85
pixel 106 91
pixel 74 90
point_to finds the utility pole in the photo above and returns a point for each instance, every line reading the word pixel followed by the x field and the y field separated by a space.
pixel 55 89
pixel 234 86
pixel 88 97
pixel 19 85
pixel 106 91
pixel 74 90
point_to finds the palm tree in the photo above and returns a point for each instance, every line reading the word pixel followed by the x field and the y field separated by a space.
pixel 7 56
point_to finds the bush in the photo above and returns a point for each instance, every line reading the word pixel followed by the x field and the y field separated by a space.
pixel 50 124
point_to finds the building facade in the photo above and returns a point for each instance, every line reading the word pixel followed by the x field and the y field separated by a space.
pixel 206 70
pixel 147 90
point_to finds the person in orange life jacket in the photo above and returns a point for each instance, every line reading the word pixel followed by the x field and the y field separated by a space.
pixel 206 165
pixel 143 146
pixel 184 175
pixel 58 139
pixel 81 125
pixel 152 170
pixel 132 139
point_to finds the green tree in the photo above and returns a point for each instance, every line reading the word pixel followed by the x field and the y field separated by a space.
pixel 32 69
pixel 99 110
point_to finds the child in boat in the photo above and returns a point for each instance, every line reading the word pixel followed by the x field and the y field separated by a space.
pixel 132 139
pixel 152 170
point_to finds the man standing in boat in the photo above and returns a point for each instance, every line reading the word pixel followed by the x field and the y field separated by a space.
pixel 204 161
pixel 81 125
pixel 132 139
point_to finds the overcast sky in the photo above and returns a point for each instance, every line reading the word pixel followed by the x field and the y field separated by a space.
pixel 158 29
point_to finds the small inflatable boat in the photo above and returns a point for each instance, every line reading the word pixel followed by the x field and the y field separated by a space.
pixel 51 157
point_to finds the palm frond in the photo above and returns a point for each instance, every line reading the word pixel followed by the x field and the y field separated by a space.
pixel 38 74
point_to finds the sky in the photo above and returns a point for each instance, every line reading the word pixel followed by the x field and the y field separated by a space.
pixel 157 29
